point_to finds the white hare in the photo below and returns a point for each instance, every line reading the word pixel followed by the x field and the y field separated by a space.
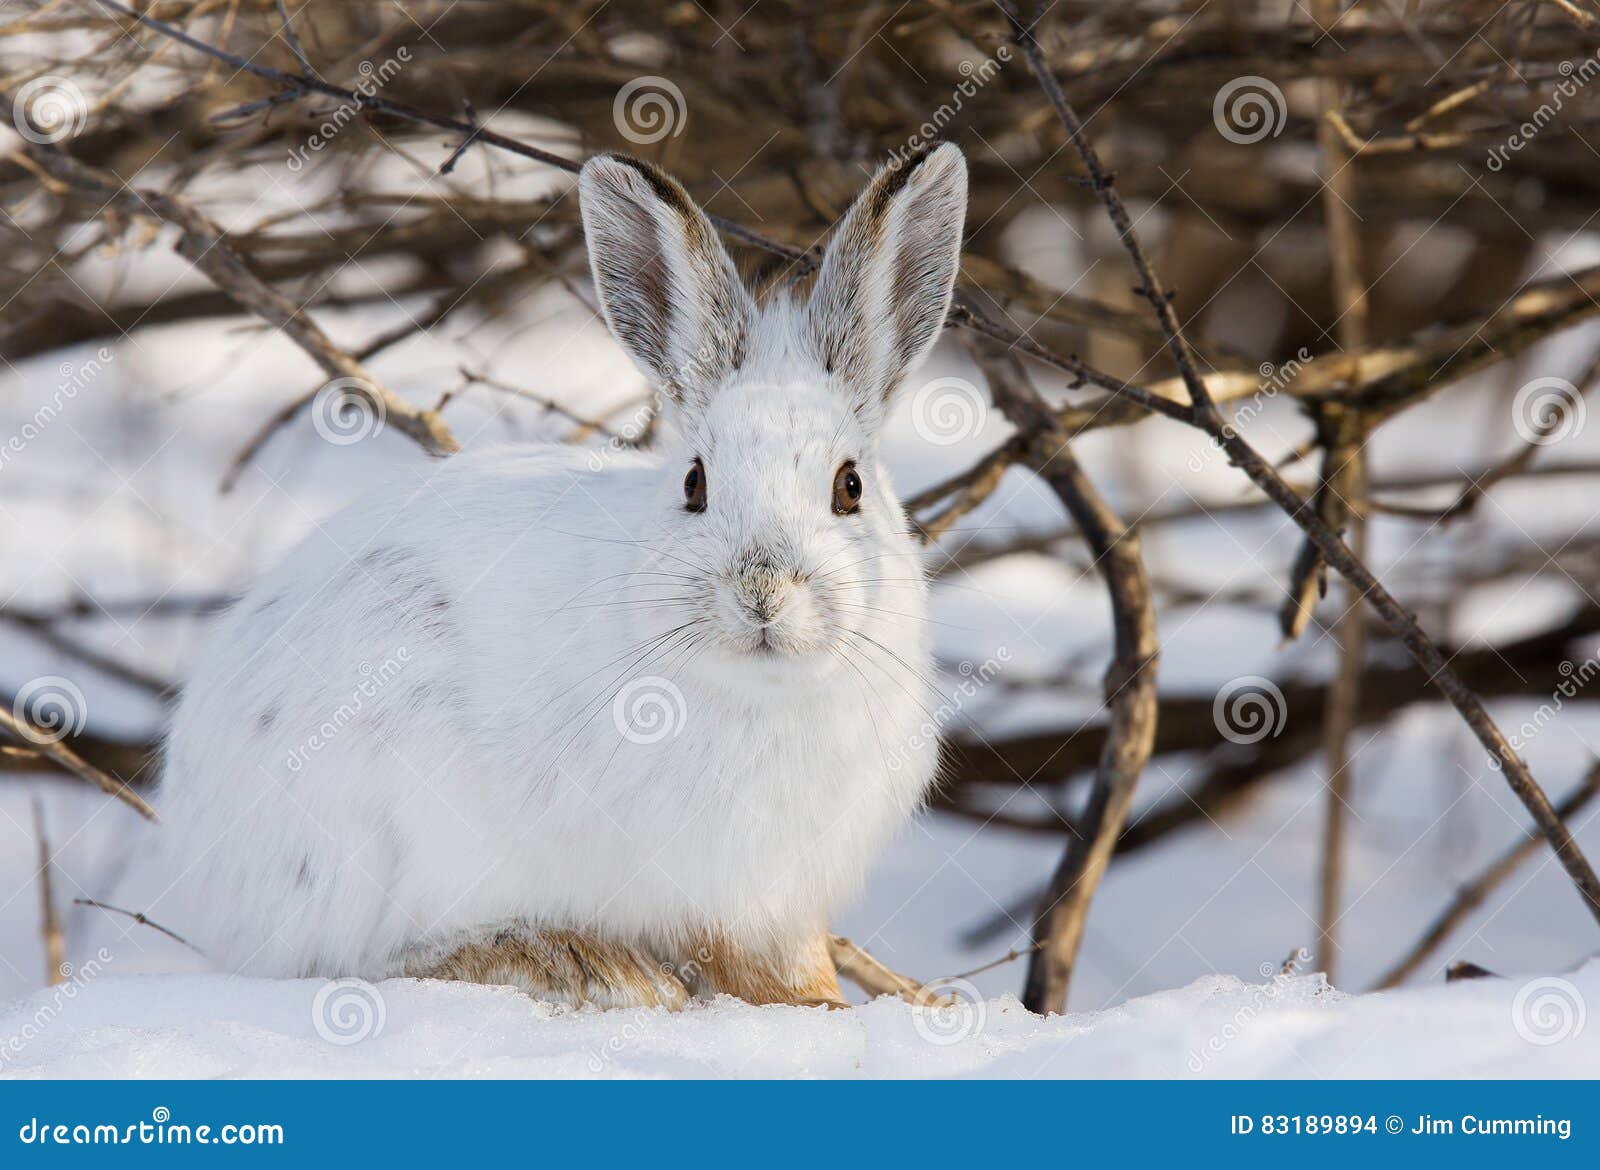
pixel 615 727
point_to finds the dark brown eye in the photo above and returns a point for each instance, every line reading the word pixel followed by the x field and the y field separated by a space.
pixel 694 488
pixel 846 490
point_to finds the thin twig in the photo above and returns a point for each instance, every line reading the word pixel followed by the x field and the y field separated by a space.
pixel 55 944
pixel 141 920
pixel 1471 895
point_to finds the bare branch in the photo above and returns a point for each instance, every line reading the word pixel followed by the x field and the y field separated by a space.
pixel 1333 549
pixel 57 752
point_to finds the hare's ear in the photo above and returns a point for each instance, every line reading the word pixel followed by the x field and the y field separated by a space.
pixel 884 289
pixel 670 294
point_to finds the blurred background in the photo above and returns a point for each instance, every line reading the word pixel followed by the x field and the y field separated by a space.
pixel 1377 220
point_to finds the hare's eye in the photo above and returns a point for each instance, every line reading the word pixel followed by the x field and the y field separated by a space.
pixel 846 490
pixel 694 488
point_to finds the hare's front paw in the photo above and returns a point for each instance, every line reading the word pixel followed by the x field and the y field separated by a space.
pixel 801 973
pixel 564 966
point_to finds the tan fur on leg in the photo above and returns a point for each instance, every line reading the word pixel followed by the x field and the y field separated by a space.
pixel 714 965
pixel 565 967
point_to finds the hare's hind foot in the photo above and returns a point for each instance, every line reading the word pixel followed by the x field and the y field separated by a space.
pixel 564 966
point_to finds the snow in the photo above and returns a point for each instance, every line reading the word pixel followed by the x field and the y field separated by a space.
pixel 1218 1026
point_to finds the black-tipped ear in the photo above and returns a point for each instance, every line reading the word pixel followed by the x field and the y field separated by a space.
pixel 884 289
pixel 669 292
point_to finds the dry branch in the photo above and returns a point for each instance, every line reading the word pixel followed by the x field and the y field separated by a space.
pixel 873 977
pixel 203 243
pixel 1204 413
pixel 55 943
pixel 1130 682
pixel 43 743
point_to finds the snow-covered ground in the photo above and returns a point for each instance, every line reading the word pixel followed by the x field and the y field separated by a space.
pixel 1218 1026
pixel 118 498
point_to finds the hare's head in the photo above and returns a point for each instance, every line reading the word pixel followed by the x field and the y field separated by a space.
pixel 779 516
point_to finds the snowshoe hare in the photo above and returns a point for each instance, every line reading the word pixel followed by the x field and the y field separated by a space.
pixel 616 727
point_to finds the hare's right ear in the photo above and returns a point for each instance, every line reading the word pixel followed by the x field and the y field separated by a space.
pixel 670 294
pixel 881 297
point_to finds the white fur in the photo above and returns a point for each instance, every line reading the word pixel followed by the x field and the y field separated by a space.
pixel 407 734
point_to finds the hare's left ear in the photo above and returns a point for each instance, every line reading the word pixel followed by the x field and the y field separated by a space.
pixel 884 289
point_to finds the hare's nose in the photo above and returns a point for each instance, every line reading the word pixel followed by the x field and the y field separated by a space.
pixel 765 599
